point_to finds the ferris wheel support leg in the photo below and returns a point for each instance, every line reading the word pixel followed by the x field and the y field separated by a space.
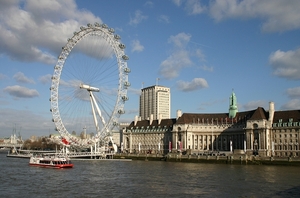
pixel 94 113
pixel 98 109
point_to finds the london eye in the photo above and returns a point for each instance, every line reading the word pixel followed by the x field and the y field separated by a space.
pixel 89 86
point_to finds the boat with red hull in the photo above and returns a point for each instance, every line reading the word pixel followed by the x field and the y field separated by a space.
pixel 50 162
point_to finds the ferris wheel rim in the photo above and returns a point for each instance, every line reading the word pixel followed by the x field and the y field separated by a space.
pixel 118 49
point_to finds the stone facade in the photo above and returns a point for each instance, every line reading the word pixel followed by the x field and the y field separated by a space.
pixel 255 132
pixel 148 136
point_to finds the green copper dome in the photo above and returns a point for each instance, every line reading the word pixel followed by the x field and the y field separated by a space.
pixel 232 105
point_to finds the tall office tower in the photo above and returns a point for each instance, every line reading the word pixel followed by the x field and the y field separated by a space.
pixel 155 100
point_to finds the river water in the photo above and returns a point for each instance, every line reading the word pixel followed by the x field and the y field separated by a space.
pixel 96 178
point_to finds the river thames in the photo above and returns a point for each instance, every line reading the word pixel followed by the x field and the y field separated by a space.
pixel 98 178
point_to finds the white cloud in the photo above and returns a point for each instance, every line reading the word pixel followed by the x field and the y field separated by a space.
pixel 136 46
pixel 138 18
pixel 254 104
pixel 195 84
pixel 180 40
pixel 200 54
pixel 164 19
pixel 278 15
pixel 20 77
pixel 207 68
pixel 149 4
pixel 180 57
pixel 177 2
pixel 194 7
pixel 171 67
pixel 293 92
pixel 46 79
pixel 3 77
pixel 286 64
pixel 36 30
pixel 291 105
pixel 21 92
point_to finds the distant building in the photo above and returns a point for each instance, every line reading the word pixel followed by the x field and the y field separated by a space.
pixel 254 132
pixel 155 101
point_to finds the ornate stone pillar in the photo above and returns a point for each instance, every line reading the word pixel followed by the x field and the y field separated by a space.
pixel 130 142
pixel 174 140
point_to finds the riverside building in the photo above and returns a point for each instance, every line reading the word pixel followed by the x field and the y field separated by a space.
pixel 255 132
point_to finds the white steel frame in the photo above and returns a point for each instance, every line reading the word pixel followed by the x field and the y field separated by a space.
pixel 114 41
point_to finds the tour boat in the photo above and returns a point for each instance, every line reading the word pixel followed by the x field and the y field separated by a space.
pixel 50 162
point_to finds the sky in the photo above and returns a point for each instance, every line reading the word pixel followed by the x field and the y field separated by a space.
pixel 203 50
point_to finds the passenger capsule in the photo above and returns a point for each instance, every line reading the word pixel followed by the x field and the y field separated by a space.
pixel 127 70
pixel 125 57
pixel 117 37
pixel 120 111
pixel 127 84
pixel 122 46
pixel 111 30
pixel 124 98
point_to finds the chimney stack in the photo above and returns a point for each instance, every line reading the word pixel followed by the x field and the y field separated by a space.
pixel 135 120
pixel 271 111
pixel 151 118
pixel 179 114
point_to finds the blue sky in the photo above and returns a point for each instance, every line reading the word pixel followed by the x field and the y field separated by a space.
pixel 202 50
